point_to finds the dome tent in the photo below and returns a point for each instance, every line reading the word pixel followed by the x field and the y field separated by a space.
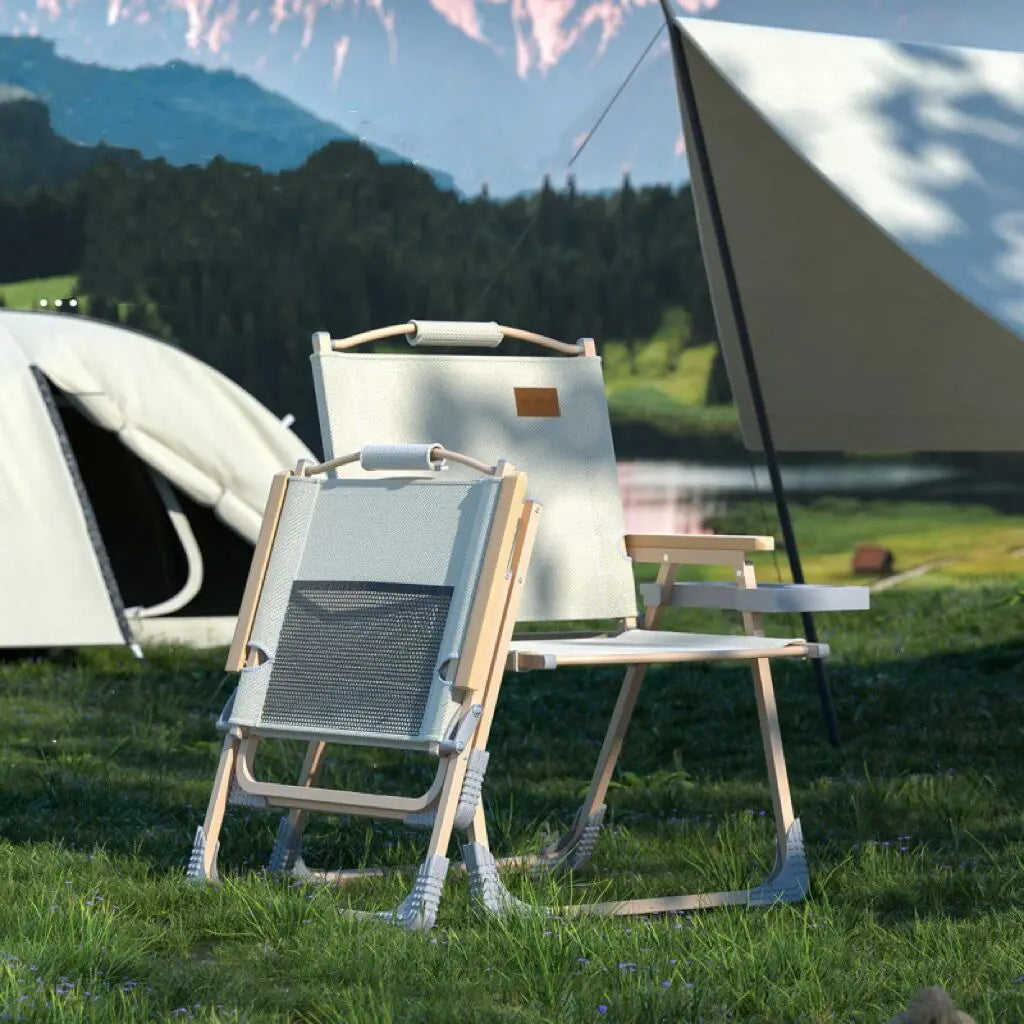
pixel 132 484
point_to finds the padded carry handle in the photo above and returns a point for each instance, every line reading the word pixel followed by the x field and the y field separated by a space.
pixel 457 333
pixel 463 334
pixel 399 457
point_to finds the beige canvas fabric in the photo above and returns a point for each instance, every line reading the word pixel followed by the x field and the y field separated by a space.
pixel 873 201
pixel 468 403
pixel 51 587
pixel 203 433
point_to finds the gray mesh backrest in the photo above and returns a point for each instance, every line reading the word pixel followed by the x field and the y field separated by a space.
pixel 579 569
pixel 367 596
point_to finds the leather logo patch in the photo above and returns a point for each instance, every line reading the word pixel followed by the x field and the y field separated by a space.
pixel 537 402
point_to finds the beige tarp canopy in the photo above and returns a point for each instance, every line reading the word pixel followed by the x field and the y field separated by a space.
pixel 872 200
pixel 190 425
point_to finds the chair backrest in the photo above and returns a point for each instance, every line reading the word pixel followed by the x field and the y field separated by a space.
pixel 364 607
pixel 547 414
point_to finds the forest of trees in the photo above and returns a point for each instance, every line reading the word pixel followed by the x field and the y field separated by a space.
pixel 239 267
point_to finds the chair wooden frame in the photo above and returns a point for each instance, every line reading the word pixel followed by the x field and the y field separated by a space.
pixel 477 682
pixel 788 881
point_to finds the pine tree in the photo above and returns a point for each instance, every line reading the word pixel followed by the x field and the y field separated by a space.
pixel 719 390
pixel 102 308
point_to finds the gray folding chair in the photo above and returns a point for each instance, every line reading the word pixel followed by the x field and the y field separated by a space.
pixel 378 611
pixel 550 414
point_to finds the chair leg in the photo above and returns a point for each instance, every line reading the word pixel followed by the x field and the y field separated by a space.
pixel 485 885
pixel 418 911
pixel 202 862
pixel 789 880
pixel 787 883
pixel 790 874
pixel 287 854
pixel 574 848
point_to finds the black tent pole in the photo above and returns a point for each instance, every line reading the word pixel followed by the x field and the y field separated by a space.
pixel 750 366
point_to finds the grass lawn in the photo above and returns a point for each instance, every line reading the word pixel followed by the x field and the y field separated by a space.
pixel 663 389
pixel 915 834
pixel 26 294
pixel 961 541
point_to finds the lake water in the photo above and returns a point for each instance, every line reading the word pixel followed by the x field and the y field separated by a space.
pixel 677 497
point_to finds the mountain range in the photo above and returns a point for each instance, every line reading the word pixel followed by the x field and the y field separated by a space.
pixel 424 90
pixel 182 112
pixel 500 92
pixel 32 155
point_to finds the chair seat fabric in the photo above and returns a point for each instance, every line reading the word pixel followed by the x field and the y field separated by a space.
pixel 645 646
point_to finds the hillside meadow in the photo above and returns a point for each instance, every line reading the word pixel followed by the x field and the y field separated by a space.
pixel 915 832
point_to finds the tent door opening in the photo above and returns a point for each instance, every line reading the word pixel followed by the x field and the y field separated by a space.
pixel 169 554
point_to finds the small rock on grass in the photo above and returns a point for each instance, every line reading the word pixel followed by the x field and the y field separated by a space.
pixel 932 1006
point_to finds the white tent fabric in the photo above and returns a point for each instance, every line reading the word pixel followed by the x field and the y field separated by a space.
pixel 203 433
pixel 872 199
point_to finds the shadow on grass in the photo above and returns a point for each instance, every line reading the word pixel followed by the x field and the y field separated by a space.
pixel 99 752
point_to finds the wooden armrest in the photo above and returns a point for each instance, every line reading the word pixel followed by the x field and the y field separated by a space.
pixel 653 547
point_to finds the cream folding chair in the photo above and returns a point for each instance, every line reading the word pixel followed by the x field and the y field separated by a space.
pixel 378 611
pixel 550 414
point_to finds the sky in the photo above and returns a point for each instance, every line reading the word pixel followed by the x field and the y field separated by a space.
pixel 494 91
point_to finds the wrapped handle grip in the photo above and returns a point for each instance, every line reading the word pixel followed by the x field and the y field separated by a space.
pixel 401 456
pixel 457 333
